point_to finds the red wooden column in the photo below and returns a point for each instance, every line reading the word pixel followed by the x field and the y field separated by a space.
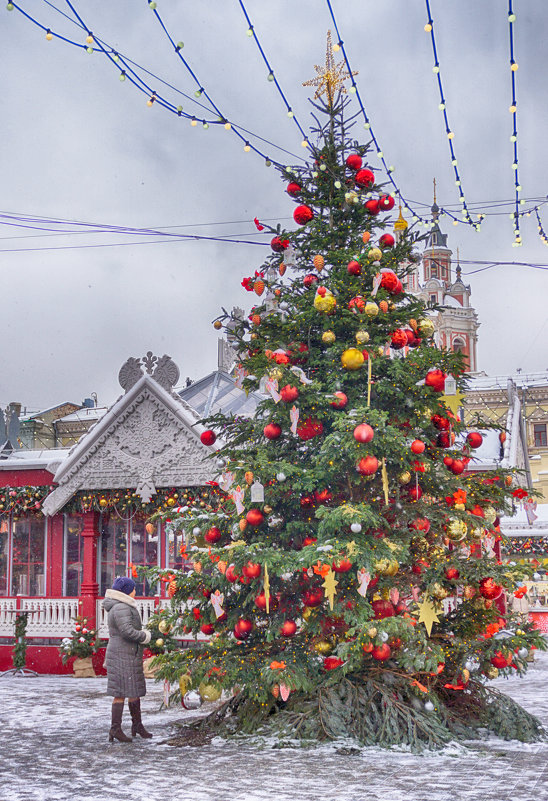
pixel 90 589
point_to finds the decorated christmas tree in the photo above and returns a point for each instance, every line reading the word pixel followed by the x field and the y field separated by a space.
pixel 348 581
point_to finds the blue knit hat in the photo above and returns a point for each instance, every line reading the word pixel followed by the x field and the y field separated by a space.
pixel 124 584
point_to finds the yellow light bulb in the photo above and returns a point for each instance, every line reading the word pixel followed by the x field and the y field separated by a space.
pixel 228 126
pixel 336 48
pixel 247 147
pixel 304 143
pixel 194 123
pixel 514 67
pixel 450 135
pixel 512 108
pixel 49 36
pixel 89 39
pixel 428 27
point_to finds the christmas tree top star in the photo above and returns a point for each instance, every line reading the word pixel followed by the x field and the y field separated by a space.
pixel 330 78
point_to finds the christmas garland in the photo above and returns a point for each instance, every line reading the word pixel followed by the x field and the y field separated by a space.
pixel 20 647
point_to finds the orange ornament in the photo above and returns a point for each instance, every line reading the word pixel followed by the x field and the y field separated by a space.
pixel 366 236
pixel 383 306
pixel 197 566
pixel 319 263
pixel 258 287
pixel 249 478
pixel 276 691
pixel 256 319
pixel 150 528
pixel 171 588
pixel 282 268
pixel 243 525
pixel 222 567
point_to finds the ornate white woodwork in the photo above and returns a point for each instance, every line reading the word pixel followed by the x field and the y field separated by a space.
pixel 7 616
pixel 48 617
pixel 149 438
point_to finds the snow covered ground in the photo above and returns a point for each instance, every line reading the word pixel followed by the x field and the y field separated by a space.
pixel 54 747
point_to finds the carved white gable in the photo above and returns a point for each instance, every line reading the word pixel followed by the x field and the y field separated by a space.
pixel 148 439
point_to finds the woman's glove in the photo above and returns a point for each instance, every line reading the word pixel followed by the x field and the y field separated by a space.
pixel 148 635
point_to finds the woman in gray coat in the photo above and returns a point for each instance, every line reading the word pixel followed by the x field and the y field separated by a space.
pixel 124 657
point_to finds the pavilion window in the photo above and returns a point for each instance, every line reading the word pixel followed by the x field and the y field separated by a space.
pixel 4 555
pixel 175 540
pixel 113 551
pixel 74 555
pixel 144 550
pixel 28 574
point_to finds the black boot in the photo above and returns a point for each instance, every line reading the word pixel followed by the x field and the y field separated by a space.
pixel 136 723
pixel 116 732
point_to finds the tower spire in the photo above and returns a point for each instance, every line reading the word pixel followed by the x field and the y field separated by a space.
pixel 435 208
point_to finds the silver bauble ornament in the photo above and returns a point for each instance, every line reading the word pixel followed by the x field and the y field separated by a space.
pixel 196 531
pixel 281 477
pixel 355 528
pixel 523 653
pixel 429 706
pixel 192 700
pixel 383 636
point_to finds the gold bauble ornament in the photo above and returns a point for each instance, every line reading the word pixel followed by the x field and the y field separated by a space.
pixel 159 642
pixel 277 374
pixel 426 328
pixel 325 303
pixel 492 672
pixel 217 325
pixel 372 632
pixel 438 591
pixel 323 647
pixel 164 627
pixel 328 337
pixel 209 692
pixel 456 530
pixel 362 337
pixel 103 501
pixel 371 309
pixel 352 359
pixel 267 509
pixel 405 477
pixel 253 335
pixel 185 683
pixel 386 567
pixel 490 515
pixel 375 254
pixel 170 502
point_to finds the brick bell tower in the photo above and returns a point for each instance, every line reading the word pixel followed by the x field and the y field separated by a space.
pixel 457 322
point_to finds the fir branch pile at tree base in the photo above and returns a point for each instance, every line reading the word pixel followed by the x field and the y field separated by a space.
pixel 346 578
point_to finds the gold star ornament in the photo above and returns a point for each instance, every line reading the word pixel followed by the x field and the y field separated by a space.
pixel 330 78
pixel 428 615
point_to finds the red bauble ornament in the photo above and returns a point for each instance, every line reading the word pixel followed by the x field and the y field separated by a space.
pixel 435 379
pixel 451 573
pixel 387 241
pixel 272 431
pixel 445 439
pixel 381 652
pixel 309 429
pixel 372 206
pixel 323 496
pixel 231 575
pixel 382 609
pixel 489 588
pixel 356 304
pixel 457 467
pixel 389 280
pixel 252 570
pixel 368 465
pixel 309 540
pixel 277 244
pixel 343 566
pixel 289 393
pixel 412 340
pixel 386 202
pixel 354 268
pixel 207 628
pixel 213 535
pixel 442 423
pixel 288 629
pixel 260 600
pixel 399 288
pixel 303 215
pixel 243 628
pixel 415 493
pixel 332 662
pixel 293 189
pixel 418 446
pixel 340 401
pixel 208 437
pixel 398 339
pixel 364 178
pixel 313 597
pixel 354 161
pixel 448 461
pixel 421 524
pixel 254 517
pixel 310 279
pixel 499 660
pixel 363 433
pixel 474 439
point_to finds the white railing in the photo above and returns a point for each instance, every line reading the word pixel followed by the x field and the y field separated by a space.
pixel 7 616
pixel 50 617
pixel 145 606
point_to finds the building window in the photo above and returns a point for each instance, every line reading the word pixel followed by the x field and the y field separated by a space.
pixel 458 346
pixel 144 550
pixel 433 298
pixel 29 556
pixel 434 270
pixel 113 555
pixel 74 554
pixel 539 435
pixel 4 555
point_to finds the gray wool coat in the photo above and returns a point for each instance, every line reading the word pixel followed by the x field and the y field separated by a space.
pixel 124 657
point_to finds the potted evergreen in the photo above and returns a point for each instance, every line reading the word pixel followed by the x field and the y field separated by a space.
pixel 80 646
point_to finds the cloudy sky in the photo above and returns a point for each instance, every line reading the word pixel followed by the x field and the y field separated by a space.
pixel 80 145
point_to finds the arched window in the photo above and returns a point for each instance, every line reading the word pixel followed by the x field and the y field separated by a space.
pixel 458 345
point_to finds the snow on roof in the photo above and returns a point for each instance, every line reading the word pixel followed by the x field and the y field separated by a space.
pixel 84 415
pixel 31 459
pixel 34 415
pixel 501 381
pixel 519 525
pixel 488 453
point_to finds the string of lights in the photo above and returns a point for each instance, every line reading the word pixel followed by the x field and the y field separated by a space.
pixel 429 28
pixel 514 137
pixel 389 170
pixel 541 231
pixel 251 32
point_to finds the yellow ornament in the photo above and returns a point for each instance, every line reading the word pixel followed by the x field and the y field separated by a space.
pixel 103 501
pixel 351 197
pixel 465 674
pixel 209 692
pixel 352 359
pixel 276 373
pixel 325 302
pixel 267 509
pixel 159 643
pixel 307 611
pixel 362 337
pixel 170 502
pixel 374 254
pixel 456 530
pixel 371 309
pixel 328 337
pixel 492 672
pixel 426 328
pixel 185 683
pixel 323 647
pixel 217 325
pixel 490 515
pixel 386 567
pixel 164 627
pixel 428 615
pixel 405 477
pixel 248 477
pixel 438 591
pixel 372 632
